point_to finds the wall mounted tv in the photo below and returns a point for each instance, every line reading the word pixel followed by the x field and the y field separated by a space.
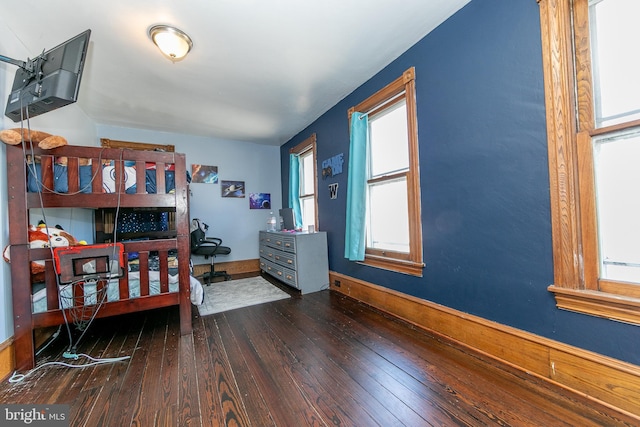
pixel 49 81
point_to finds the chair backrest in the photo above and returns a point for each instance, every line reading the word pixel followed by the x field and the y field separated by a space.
pixel 198 233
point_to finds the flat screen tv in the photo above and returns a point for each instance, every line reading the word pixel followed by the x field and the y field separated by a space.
pixel 49 81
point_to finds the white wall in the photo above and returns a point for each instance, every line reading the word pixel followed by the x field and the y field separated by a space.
pixel 228 218
pixel 9 46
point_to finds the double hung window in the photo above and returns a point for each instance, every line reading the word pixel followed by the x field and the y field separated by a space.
pixel 593 128
pixel 393 238
pixel 306 152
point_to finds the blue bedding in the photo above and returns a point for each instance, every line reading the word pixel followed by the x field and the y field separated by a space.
pixel 61 184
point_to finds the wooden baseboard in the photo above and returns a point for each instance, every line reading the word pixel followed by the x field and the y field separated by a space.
pixel 231 267
pixel 610 381
pixel 7 359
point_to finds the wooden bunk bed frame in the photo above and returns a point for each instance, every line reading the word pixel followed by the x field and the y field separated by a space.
pixel 20 201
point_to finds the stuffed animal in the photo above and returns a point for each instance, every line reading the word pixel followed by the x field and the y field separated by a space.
pixel 42 236
pixel 44 140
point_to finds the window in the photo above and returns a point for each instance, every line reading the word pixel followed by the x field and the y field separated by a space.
pixel 306 152
pixel 393 226
pixel 593 128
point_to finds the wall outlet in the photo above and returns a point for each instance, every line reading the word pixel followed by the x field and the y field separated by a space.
pixel 336 283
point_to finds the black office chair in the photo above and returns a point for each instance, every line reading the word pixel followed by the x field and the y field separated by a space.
pixel 208 247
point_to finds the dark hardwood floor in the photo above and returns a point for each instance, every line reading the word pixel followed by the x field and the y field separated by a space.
pixel 322 359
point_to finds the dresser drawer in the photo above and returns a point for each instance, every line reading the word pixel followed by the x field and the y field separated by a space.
pixel 267 238
pixel 270 267
pixel 289 277
pixel 268 252
pixel 285 259
pixel 285 243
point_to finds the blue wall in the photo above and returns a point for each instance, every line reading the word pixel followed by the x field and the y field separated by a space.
pixel 483 173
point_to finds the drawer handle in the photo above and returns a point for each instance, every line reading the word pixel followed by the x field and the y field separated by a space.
pixel 279 273
pixel 270 255
pixel 288 245
pixel 278 257
pixel 289 261
pixel 269 268
pixel 278 242
pixel 289 277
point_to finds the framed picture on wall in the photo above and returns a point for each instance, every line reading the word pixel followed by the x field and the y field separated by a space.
pixel 260 201
pixel 232 188
pixel 204 174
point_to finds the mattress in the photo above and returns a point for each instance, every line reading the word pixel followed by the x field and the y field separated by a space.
pixel 39 298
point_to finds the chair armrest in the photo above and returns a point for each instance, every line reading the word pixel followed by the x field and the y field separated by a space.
pixel 215 240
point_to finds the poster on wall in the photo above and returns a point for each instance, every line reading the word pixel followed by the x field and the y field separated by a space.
pixel 232 188
pixel 332 166
pixel 204 174
pixel 260 201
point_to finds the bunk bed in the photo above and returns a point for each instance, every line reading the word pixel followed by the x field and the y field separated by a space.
pixel 103 179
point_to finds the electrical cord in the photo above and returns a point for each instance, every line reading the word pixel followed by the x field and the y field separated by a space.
pixel 52 339
pixel 70 353
pixel 100 299
pixel 17 377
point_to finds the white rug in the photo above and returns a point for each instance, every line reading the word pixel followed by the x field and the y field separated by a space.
pixel 229 295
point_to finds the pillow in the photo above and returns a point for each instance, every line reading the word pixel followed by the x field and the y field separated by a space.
pixel 109 179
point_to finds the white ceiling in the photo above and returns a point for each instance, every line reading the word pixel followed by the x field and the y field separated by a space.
pixel 260 70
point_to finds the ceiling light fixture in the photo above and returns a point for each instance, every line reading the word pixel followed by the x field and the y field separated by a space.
pixel 172 42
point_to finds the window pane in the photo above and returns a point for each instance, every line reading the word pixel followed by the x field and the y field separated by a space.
pixel 388 226
pixel 307 182
pixel 388 140
pixel 308 212
pixel 616 66
pixel 617 174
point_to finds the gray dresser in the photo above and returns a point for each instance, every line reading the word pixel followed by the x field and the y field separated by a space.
pixel 297 259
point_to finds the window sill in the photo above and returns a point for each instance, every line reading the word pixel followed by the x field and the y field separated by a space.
pixel 399 266
pixel 601 304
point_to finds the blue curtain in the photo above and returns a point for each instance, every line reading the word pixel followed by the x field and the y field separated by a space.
pixel 294 188
pixel 354 237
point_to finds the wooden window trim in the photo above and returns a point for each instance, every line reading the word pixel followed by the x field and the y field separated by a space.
pixel 310 144
pixel 411 263
pixel 570 127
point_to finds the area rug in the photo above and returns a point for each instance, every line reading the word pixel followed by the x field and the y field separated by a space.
pixel 233 294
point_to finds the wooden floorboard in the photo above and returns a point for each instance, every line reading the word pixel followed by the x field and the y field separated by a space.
pixel 232 367
pixel 168 410
pixel 339 371
pixel 322 359
pixel 357 361
pixel 210 408
pixel 149 399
